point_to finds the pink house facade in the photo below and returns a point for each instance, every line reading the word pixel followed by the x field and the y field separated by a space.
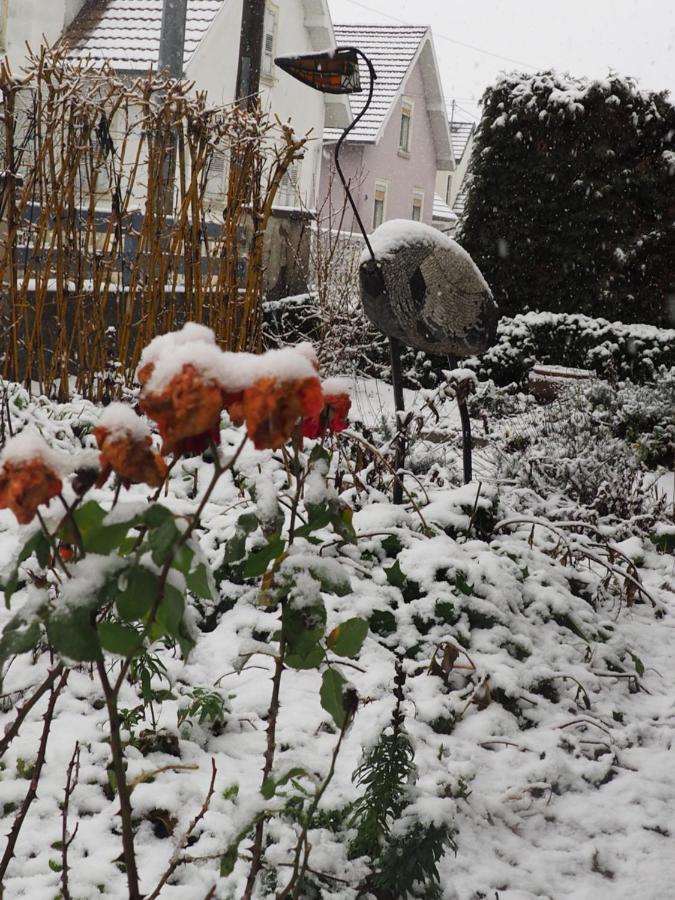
pixel 393 155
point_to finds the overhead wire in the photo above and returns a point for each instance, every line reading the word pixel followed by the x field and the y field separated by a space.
pixel 445 37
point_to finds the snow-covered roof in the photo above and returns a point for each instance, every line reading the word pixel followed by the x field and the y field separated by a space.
pixel 126 33
pixel 393 51
pixel 460 200
pixel 442 211
pixel 460 135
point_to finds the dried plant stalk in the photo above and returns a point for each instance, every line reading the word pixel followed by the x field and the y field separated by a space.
pixel 100 249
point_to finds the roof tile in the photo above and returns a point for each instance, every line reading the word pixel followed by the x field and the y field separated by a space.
pixel 391 49
pixel 126 32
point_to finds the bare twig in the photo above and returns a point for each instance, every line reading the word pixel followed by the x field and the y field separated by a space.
pixel 72 777
pixel 13 729
pixel 55 690
pixel 176 859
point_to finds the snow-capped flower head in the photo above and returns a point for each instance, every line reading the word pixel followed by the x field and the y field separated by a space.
pixel 284 390
pixel 272 409
pixel 30 475
pixel 187 381
pixel 125 443
pixel 333 417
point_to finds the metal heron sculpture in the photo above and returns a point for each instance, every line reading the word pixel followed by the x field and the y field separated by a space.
pixel 417 286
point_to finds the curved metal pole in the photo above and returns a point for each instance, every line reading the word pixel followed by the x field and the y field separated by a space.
pixel 394 345
pixel 338 146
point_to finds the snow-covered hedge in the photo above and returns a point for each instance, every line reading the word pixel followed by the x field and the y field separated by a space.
pixel 610 348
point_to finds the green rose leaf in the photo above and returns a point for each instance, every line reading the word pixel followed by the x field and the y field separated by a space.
pixel 347 639
pixel 120 639
pixel 18 636
pixel 37 543
pixel 197 582
pixel 73 636
pixel 258 560
pixel 136 600
pixel 332 686
pixel 162 541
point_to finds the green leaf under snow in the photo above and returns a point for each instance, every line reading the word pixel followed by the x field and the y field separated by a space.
pixel 395 576
pixel 332 686
pixel 156 515
pixel 347 639
pixel 73 636
pixel 137 598
pixel 18 636
pixel 162 541
pixel 270 785
pixel 303 629
pixel 120 639
pixel 197 582
pixel 637 662
pixel 37 543
pixel 170 611
pixel 258 561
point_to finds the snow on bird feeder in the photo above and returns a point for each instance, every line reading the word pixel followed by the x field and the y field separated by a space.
pixel 423 289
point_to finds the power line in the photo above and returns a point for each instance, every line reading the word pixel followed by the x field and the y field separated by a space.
pixel 445 37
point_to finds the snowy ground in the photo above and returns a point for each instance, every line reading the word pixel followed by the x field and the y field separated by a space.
pixel 559 781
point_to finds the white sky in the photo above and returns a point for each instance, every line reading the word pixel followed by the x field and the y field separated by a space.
pixel 582 37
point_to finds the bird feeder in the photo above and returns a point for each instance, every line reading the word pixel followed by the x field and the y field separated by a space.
pixel 418 287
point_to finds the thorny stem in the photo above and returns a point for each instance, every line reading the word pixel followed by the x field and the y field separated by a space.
pixel 37 771
pixel 13 729
pixel 256 853
pixel 117 752
pixel 177 860
pixel 72 777
pixel 299 869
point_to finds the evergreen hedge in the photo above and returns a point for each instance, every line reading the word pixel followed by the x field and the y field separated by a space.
pixel 571 206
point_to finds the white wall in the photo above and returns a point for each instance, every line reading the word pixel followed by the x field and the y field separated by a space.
pixel 33 20
pixel 213 68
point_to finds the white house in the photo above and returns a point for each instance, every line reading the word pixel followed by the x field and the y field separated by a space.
pixel 451 185
pixel 127 33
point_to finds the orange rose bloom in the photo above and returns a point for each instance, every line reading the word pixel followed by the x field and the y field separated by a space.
pixel 132 459
pixel 187 411
pixel 272 409
pixel 333 416
pixel 26 485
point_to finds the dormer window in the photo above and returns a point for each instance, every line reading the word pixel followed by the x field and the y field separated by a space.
pixel 417 206
pixel 405 133
pixel 269 40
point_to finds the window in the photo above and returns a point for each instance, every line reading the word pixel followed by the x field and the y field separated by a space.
pixel 215 178
pixel 269 37
pixel 406 126
pixel 417 206
pixel 289 189
pixel 379 204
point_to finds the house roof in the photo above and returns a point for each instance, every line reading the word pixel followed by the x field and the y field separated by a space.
pixel 391 49
pixel 459 205
pixel 460 135
pixel 442 212
pixel 126 32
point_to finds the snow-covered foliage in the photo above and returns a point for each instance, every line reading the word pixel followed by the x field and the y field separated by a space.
pixel 526 660
pixel 609 348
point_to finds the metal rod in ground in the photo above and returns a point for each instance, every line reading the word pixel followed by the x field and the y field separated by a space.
pixel 399 403
pixel 465 419
pixel 466 439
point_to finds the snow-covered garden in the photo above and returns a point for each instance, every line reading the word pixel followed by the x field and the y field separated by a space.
pixel 231 664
